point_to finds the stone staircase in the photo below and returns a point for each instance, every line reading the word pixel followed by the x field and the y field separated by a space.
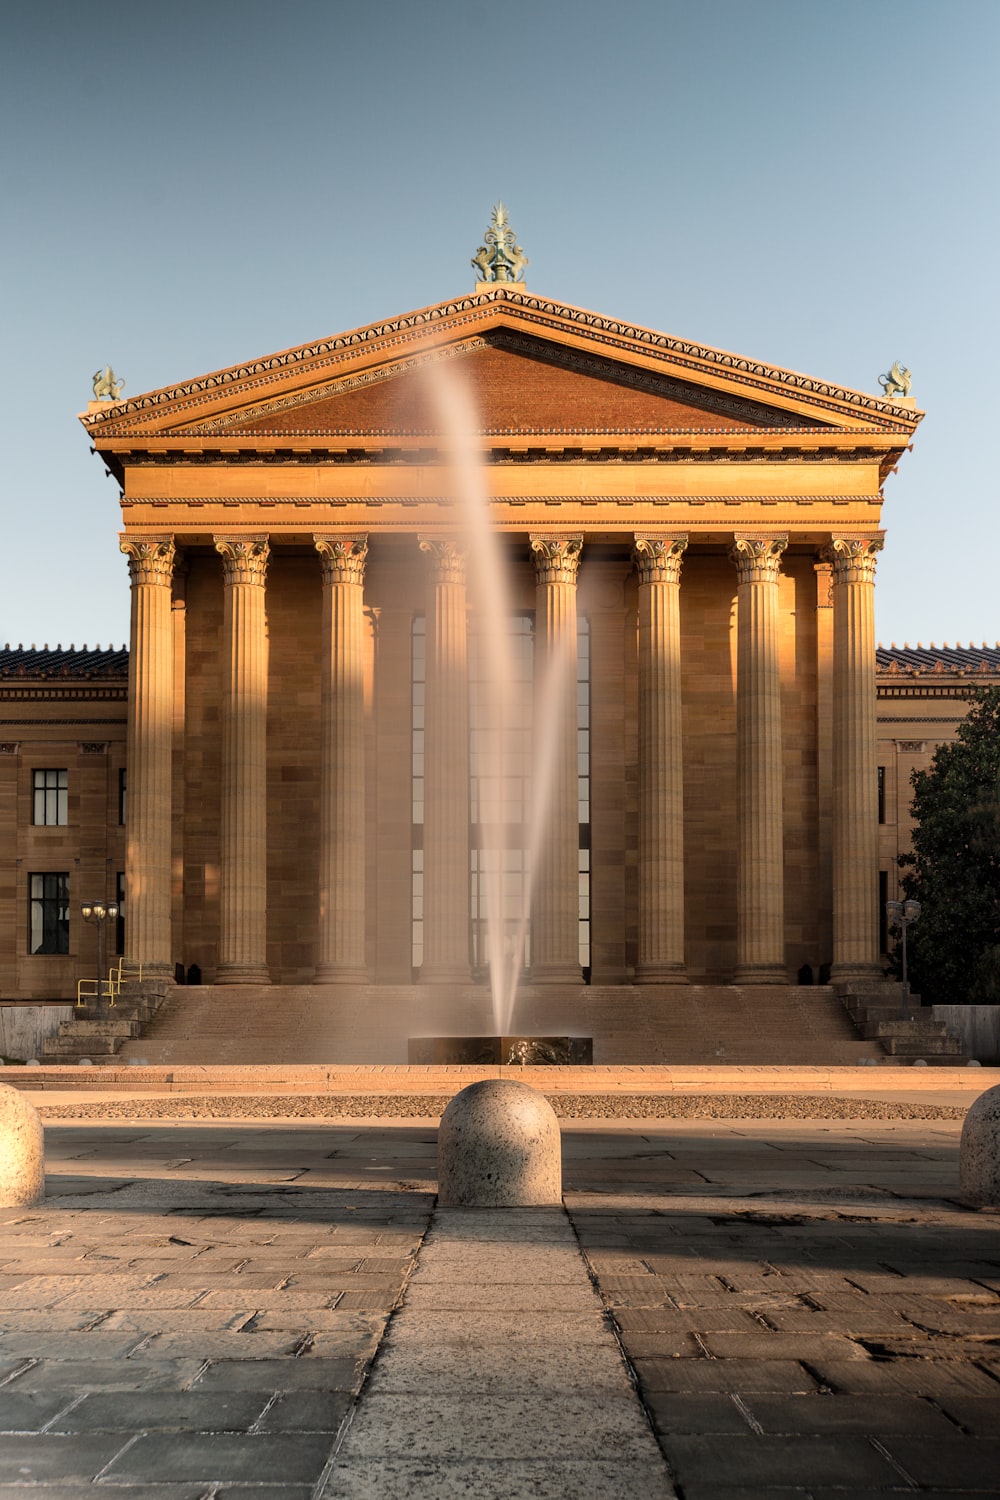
pixel 98 1029
pixel 886 1012
pixel 243 1025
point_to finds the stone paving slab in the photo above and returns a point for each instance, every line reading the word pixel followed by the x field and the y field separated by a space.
pixel 804 1297
pixel 478 1410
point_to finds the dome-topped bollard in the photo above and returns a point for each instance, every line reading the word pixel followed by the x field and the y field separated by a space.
pixel 499 1147
pixel 22 1151
pixel 979 1153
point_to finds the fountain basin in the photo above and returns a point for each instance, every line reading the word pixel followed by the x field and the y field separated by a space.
pixel 502 1051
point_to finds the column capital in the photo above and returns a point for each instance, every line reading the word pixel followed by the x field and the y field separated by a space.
pixel 150 558
pixel 244 558
pixel 658 558
pixel 556 558
pixel 342 557
pixel 757 558
pixel 854 557
pixel 447 558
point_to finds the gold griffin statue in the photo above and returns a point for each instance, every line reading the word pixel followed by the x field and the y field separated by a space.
pixel 897 382
pixel 106 386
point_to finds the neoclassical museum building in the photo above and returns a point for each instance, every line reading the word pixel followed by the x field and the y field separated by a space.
pixel 692 535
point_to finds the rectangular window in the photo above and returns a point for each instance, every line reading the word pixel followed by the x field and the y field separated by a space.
pixel 883 921
pixel 583 786
pixel 500 756
pixel 50 797
pixel 881 794
pixel 120 919
pixel 500 813
pixel 121 795
pixel 49 920
pixel 418 649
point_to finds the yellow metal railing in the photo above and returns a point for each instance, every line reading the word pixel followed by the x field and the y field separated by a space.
pixel 87 989
pixel 126 971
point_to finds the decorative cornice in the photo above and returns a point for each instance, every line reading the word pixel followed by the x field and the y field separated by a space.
pixel 730 445
pixel 556 558
pixel 410 502
pixel 446 557
pixel 758 558
pixel 535 311
pixel 342 558
pixel 150 559
pixel 658 558
pixel 853 558
pixel 244 559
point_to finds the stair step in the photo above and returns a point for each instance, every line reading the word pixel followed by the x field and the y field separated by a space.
pixel 903 1028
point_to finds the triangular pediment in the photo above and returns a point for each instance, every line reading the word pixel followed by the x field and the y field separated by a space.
pixel 529 366
pixel 513 383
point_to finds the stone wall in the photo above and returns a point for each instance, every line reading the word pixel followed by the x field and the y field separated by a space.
pixel 24 1028
pixel 977 1025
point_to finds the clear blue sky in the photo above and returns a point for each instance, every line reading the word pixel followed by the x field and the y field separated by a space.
pixel 810 182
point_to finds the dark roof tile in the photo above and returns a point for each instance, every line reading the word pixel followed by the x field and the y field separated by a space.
pixel 59 664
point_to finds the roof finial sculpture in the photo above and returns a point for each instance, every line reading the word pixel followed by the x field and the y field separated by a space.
pixel 106 387
pixel 897 382
pixel 501 259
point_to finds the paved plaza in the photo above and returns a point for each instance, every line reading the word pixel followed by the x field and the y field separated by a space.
pixel 726 1309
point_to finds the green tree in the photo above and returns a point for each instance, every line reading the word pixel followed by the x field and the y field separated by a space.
pixel 954 869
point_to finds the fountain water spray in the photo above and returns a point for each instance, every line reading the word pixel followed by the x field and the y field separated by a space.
pixel 489 575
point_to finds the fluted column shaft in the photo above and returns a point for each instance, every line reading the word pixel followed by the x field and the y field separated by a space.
pixel 243 862
pixel 341 938
pixel 855 776
pixel 760 903
pixel 661 763
pixel 446 767
pixel 555 921
pixel 149 756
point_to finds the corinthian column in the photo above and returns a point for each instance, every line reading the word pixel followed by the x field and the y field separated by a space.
pixel 555 929
pixel 760 899
pixel 661 766
pixel 243 864
pixel 855 777
pixel 446 768
pixel 341 948
pixel 149 754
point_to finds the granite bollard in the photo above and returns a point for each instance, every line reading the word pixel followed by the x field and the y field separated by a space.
pixel 22 1152
pixel 499 1147
pixel 979 1152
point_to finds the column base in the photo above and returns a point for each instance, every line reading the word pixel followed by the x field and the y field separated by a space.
pixel 242 974
pixel 661 974
pixel 846 973
pixel 154 970
pixel 760 974
pixel 555 974
pixel 445 974
pixel 340 974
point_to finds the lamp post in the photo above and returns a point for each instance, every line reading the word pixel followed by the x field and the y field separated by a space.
pixel 901 914
pixel 99 912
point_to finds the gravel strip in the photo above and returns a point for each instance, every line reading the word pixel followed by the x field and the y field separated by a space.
pixel 568 1106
